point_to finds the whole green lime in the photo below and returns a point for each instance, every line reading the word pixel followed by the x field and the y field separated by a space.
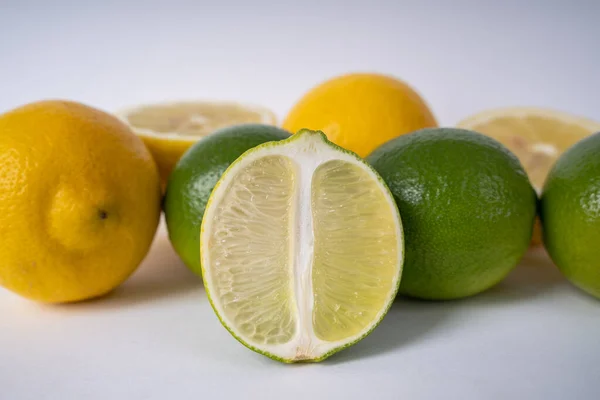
pixel 467 209
pixel 570 214
pixel 195 176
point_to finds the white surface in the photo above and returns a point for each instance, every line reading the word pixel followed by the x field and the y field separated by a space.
pixel 532 337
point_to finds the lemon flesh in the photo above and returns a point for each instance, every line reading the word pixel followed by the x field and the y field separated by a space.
pixel 169 129
pixel 301 248
pixel 193 119
pixel 536 136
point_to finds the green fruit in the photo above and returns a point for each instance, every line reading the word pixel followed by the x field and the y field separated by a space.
pixel 195 176
pixel 570 213
pixel 467 208
pixel 301 248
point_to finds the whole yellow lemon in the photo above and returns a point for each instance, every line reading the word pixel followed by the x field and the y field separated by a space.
pixel 360 112
pixel 79 201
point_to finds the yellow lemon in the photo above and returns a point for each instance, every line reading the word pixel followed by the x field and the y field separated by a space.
pixel 79 201
pixel 537 136
pixel 169 129
pixel 361 111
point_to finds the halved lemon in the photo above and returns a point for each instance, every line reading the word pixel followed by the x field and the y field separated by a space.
pixel 301 248
pixel 169 129
pixel 536 136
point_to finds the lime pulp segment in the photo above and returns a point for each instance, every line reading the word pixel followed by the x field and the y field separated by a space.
pixel 355 252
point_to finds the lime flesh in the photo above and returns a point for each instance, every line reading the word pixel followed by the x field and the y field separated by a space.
pixel 301 248
pixel 196 174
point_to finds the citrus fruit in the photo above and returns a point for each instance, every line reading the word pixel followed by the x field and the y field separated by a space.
pixel 79 201
pixel 536 136
pixel 570 213
pixel 196 174
pixel 467 208
pixel 361 111
pixel 301 247
pixel 169 129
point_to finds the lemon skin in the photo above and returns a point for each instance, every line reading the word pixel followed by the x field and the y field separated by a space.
pixel 79 201
pixel 361 111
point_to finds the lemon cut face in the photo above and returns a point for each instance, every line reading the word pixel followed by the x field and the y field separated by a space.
pixel 186 120
pixel 537 136
pixel 170 129
pixel 301 248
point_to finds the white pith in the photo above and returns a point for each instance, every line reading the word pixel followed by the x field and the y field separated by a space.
pixel 266 117
pixel 307 153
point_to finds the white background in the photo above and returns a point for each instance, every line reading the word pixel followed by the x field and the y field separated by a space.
pixel 531 337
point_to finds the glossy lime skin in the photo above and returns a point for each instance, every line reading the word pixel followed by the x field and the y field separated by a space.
pixel 195 176
pixel 570 214
pixel 467 208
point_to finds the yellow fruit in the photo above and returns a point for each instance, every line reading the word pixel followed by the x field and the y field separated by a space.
pixel 169 129
pixel 536 136
pixel 361 111
pixel 79 201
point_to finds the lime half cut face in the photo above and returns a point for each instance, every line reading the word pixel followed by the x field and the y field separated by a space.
pixel 301 248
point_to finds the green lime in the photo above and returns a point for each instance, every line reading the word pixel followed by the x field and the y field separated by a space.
pixel 195 176
pixel 467 208
pixel 301 248
pixel 570 213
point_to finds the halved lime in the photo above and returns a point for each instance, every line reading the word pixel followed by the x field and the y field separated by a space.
pixel 302 248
